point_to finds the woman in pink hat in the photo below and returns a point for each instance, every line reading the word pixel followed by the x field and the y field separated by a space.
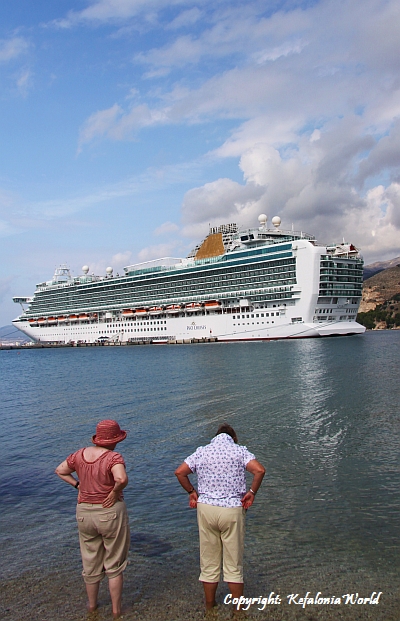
pixel 101 512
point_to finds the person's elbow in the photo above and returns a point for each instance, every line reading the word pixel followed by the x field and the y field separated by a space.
pixel 255 468
pixel 181 470
pixel 121 480
pixel 261 470
pixel 59 471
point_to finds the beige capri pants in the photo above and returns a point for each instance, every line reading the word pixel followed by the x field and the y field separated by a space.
pixel 221 533
pixel 104 539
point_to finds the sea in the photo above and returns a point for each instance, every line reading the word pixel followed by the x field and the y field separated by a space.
pixel 322 416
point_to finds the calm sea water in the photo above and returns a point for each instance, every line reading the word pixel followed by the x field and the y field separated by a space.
pixel 321 415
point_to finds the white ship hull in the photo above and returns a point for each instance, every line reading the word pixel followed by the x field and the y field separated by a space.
pixel 220 327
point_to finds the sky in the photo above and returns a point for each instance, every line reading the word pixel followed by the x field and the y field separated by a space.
pixel 127 127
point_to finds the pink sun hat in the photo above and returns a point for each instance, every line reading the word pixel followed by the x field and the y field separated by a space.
pixel 108 432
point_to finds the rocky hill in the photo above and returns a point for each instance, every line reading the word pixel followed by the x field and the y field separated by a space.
pixel 380 288
pixel 379 266
pixel 380 304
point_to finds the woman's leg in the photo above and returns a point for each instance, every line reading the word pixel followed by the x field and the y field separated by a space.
pixel 92 550
pixel 115 586
pixel 210 551
pixel 116 540
pixel 92 591
pixel 210 589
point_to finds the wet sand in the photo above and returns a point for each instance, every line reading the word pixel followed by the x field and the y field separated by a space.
pixel 151 594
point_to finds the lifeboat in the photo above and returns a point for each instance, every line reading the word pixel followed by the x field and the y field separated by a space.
pixel 212 304
pixel 192 307
pixel 156 310
pixel 128 312
pixel 52 320
pixel 83 316
pixel 141 311
pixel 173 309
pixel 73 317
pixel 33 322
pixel 61 319
pixel 42 320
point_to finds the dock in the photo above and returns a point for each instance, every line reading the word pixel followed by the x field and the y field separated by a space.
pixel 8 347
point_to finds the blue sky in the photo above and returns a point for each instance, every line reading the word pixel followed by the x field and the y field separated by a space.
pixel 127 126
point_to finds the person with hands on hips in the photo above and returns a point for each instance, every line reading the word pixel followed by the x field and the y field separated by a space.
pixel 101 514
pixel 221 501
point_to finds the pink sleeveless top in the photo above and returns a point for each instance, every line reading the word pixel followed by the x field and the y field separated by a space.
pixel 95 477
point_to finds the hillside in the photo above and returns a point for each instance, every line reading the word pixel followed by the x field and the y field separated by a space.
pixel 9 334
pixel 380 288
pixel 379 266
pixel 380 304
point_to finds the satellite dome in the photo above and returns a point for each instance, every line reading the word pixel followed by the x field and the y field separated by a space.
pixel 109 271
pixel 262 218
pixel 276 221
pixel 85 269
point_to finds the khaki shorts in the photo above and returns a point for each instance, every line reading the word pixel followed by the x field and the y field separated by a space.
pixel 104 539
pixel 221 532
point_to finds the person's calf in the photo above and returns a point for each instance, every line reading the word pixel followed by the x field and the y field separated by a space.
pixel 92 591
pixel 210 589
pixel 236 589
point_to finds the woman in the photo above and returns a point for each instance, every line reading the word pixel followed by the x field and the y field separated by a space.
pixel 101 512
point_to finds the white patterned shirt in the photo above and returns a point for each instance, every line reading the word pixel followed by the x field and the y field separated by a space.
pixel 220 467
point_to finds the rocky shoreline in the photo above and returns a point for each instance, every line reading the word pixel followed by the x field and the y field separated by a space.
pixel 177 596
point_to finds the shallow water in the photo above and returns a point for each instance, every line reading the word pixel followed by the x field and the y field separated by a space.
pixel 320 414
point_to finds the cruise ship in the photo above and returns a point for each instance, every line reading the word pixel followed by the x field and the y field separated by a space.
pixel 260 283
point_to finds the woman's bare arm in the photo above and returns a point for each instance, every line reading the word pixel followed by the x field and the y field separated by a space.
pixel 258 471
pixel 120 482
pixel 182 474
pixel 65 473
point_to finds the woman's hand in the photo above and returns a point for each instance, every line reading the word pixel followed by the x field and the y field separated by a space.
pixel 120 482
pixel 247 500
pixel 193 496
pixel 111 499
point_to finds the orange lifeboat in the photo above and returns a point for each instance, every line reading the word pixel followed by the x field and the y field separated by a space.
pixel 173 309
pixel 128 312
pixel 212 304
pixel 156 310
pixel 61 319
pixel 52 320
pixel 42 320
pixel 33 322
pixel 192 307
pixel 83 316
pixel 73 317
pixel 141 311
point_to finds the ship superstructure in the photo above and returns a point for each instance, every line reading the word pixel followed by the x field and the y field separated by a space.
pixel 255 284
